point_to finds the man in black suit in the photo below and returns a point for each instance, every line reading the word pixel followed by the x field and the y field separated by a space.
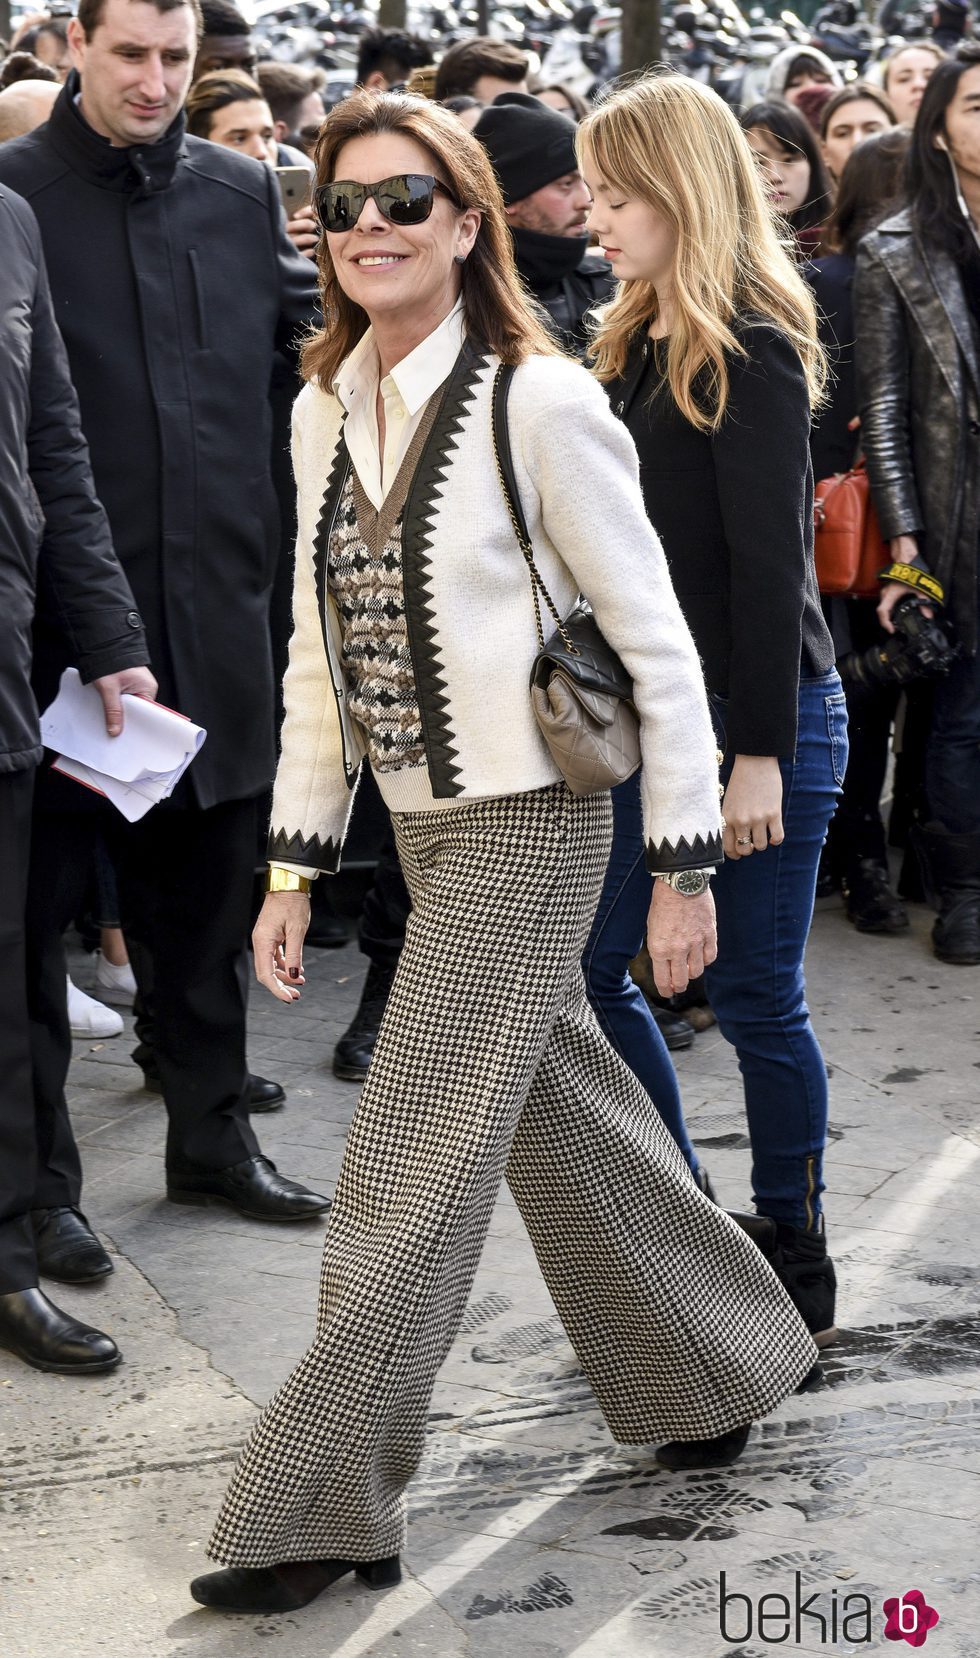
pixel 174 283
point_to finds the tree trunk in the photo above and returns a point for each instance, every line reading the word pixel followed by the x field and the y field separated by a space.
pixel 392 14
pixel 641 34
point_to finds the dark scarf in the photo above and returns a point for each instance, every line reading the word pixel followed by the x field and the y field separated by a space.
pixel 544 261
pixel 143 168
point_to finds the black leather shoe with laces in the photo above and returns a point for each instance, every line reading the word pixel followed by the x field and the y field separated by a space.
pixel 38 1332
pixel 353 1053
pixel 287 1587
pixel 871 904
pixel 67 1248
pixel 254 1187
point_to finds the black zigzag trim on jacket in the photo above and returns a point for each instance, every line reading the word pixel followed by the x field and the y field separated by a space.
pixel 333 494
pixel 312 854
pixel 417 528
pixel 667 859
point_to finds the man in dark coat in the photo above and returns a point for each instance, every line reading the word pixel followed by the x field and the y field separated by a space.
pixel 532 148
pixel 55 542
pixel 174 284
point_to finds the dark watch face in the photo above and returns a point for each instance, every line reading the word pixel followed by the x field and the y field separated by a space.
pixel 691 882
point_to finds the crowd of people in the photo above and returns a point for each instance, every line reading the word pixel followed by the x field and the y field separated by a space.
pixel 546 349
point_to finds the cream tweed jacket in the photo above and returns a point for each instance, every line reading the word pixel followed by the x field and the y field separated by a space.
pixel 471 619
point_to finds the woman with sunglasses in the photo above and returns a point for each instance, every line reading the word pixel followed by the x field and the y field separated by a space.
pixel 414 638
pixel 710 356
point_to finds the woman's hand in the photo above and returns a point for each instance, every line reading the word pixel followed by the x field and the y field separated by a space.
pixel 681 937
pixel 277 943
pixel 903 549
pixel 753 806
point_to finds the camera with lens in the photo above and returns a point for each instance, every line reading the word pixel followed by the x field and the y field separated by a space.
pixel 919 647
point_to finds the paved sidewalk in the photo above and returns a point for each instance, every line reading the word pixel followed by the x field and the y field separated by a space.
pixel 532 1535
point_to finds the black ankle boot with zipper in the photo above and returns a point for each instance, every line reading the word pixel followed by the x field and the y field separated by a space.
pixel 801 1263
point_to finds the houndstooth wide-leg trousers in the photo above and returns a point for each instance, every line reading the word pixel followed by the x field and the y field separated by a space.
pixel 490 1061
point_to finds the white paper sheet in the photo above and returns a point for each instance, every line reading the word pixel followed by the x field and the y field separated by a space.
pixel 134 770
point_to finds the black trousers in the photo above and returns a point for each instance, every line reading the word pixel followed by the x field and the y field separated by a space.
pixel 387 906
pixel 18 1135
pixel 185 897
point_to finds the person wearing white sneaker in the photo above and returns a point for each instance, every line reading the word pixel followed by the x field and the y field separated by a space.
pixel 87 1017
pixel 114 980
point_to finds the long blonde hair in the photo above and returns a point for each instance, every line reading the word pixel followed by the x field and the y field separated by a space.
pixel 498 313
pixel 674 144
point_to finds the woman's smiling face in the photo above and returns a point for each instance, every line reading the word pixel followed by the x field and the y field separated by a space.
pixel 391 269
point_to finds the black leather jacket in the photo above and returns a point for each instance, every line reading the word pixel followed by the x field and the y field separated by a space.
pixel 55 547
pixel 918 369
pixel 566 279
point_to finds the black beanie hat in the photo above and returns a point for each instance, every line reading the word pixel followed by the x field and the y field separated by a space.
pixel 529 144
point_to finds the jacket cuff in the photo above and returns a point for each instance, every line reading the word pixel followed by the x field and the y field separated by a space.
pixel 307 856
pixel 668 858
pixel 106 641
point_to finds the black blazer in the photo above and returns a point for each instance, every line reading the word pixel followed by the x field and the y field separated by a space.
pixel 734 510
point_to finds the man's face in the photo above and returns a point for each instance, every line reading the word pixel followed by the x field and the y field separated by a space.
pixel 246 126
pixel 135 69
pixel 557 209
pixel 225 52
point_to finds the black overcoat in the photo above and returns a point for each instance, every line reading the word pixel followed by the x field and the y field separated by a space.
pixel 174 283
pixel 55 546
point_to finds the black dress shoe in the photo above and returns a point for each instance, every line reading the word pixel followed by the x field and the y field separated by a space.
pixel 703 1453
pixel 353 1053
pixel 38 1332
pixel 67 1248
pixel 287 1587
pixel 262 1095
pixel 676 1032
pixel 253 1187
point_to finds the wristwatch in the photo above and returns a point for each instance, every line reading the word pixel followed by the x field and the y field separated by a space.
pixel 690 883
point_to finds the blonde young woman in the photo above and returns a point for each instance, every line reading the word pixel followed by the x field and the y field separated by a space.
pixel 414 636
pixel 709 354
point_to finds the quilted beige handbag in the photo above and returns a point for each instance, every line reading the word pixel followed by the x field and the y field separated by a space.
pixel 581 694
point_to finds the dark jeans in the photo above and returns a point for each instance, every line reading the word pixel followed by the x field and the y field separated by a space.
pixel 185 892
pixel 18 1131
pixel 756 987
pixel 953 754
pixel 617 936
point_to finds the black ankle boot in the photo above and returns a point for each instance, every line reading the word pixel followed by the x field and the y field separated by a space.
pixel 801 1263
pixel 703 1453
pixel 352 1055
pixel 951 875
pixel 289 1586
pixel 871 904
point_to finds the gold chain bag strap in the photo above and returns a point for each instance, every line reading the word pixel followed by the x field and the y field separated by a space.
pixel 581 694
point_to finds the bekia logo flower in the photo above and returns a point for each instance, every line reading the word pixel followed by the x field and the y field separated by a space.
pixel 909 1618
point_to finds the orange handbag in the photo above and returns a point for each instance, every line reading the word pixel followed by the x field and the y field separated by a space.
pixel 847 545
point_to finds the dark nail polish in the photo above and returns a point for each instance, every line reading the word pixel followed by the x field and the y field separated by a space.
pixel 294 972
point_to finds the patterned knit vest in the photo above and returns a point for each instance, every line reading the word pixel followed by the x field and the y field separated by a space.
pixel 365 580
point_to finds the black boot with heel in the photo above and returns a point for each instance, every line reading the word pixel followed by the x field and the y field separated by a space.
pixel 288 1586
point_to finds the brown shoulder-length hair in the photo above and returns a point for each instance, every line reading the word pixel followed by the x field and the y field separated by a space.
pixel 498 312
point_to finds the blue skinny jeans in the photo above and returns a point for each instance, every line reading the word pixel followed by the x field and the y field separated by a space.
pixel 756 987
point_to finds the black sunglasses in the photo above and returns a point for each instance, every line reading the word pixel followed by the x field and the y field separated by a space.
pixel 404 199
